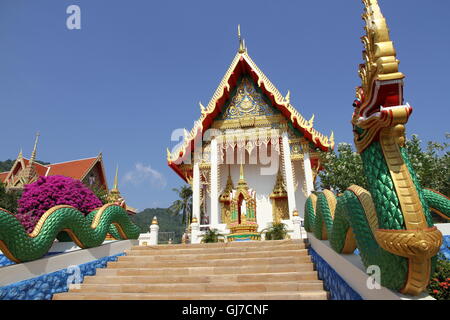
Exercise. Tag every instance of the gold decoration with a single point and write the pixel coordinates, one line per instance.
(379, 54)
(280, 208)
(295, 116)
(155, 220)
(416, 245)
(225, 199)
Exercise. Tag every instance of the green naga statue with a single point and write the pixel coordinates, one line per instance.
(87, 232)
(390, 224)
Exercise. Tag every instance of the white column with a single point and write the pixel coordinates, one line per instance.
(154, 229)
(288, 174)
(296, 222)
(308, 171)
(196, 192)
(214, 215)
(195, 225)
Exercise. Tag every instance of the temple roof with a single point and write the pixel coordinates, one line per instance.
(242, 64)
(76, 169)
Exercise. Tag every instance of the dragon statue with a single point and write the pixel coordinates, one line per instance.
(390, 224)
(86, 232)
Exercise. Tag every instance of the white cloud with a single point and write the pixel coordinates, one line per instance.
(142, 173)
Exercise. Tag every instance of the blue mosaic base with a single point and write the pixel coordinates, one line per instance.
(338, 288)
(44, 286)
(445, 248)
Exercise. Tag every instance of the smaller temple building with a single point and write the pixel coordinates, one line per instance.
(90, 171)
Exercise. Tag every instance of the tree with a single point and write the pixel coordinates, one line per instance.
(432, 165)
(8, 200)
(183, 206)
(342, 169)
(47, 192)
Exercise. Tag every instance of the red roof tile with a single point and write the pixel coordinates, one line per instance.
(3, 176)
(75, 169)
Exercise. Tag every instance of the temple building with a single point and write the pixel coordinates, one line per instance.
(90, 171)
(251, 158)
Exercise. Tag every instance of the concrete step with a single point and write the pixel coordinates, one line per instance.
(143, 263)
(239, 269)
(307, 276)
(280, 295)
(218, 287)
(272, 243)
(212, 256)
(155, 250)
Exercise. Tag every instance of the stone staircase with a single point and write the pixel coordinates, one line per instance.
(255, 270)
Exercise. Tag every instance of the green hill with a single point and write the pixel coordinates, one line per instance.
(166, 221)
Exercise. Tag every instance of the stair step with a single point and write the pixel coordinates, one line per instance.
(207, 263)
(239, 269)
(309, 277)
(155, 250)
(253, 270)
(280, 295)
(218, 287)
(272, 243)
(213, 256)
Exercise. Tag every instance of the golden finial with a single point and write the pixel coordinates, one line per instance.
(311, 121)
(242, 47)
(202, 107)
(155, 220)
(288, 97)
(33, 154)
(241, 172)
(169, 155)
(295, 213)
(116, 178)
(20, 156)
(194, 220)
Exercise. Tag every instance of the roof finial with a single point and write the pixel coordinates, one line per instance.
(20, 154)
(33, 154)
(116, 178)
(242, 47)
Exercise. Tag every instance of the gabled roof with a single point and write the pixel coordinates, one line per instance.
(3, 176)
(243, 64)
(76, 169)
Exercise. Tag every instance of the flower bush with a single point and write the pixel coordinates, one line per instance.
(51, 191)
(439, 286)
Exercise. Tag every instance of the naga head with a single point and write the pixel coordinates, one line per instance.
(379, 100)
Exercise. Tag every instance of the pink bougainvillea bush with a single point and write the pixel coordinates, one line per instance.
(51, 191)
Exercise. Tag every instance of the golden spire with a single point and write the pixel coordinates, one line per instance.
(242, 47)
(20, 156)
(225, 196)
(33, 154)
(116, 184)
(279, 190)
(114, 194)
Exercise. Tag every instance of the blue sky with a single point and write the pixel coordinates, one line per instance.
(137, 69)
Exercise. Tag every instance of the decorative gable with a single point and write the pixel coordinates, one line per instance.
(247, 100)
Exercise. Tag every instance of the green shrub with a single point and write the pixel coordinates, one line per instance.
(439, 286)
(278, 231)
